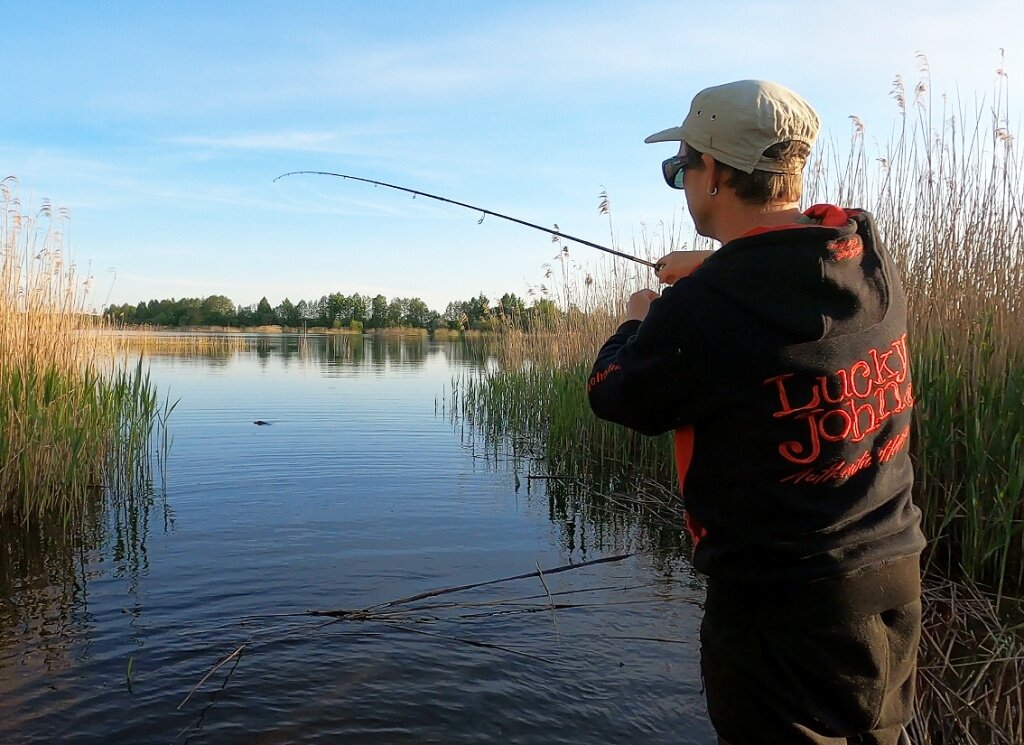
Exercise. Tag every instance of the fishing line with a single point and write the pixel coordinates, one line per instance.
(481, 210)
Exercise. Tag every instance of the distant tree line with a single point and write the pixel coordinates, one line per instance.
(335, 311)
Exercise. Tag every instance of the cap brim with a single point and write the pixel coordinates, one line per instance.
(672, 134)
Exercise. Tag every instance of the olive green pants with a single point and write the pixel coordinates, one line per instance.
(902, 738)
(807, 681)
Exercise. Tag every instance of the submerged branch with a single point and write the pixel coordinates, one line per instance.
(214, 669)
(368, 612)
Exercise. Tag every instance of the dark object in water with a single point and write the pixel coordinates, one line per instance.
(261, 422)
(415, 193)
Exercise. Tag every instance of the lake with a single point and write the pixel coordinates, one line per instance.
(362, 489)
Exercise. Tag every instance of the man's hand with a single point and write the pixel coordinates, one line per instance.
(679, 264)
(638, 304)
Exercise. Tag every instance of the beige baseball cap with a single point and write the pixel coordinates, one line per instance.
(736, 122)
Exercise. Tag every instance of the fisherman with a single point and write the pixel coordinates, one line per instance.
(780, 361)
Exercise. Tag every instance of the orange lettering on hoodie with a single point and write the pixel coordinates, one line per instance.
(862, 397)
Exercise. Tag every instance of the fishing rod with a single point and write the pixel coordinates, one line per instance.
(416, 193)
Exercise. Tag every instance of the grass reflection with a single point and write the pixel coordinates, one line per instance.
(45, 568)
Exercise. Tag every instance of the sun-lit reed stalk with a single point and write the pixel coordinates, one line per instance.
(536, 394)
(970, 669)
(948, 195)
(73, 421)
(154, 342)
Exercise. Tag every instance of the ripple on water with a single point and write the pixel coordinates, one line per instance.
(356, 494)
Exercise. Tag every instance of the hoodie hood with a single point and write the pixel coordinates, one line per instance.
(811, 280)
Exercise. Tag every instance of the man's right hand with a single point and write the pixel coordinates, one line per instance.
(679, 264)
(639, 303)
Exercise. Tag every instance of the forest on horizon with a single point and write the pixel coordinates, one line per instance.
(335, 311)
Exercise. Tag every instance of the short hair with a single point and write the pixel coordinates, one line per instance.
(764, 187)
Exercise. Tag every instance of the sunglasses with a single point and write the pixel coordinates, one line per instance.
(674, 169)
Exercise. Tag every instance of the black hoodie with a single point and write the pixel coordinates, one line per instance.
(782, 364)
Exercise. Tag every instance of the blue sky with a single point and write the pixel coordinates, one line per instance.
(161, 126)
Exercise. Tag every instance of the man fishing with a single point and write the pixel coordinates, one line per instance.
(780, 362)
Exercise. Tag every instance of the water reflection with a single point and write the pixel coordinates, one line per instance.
(597, 503)
(46, 570)
(42, 584)
(376, 351)
(357, 495)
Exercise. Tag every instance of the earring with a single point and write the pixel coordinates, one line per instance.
(712, 191)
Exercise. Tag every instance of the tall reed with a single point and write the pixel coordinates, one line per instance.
(74, 420)
(153, 341)
(948, 196)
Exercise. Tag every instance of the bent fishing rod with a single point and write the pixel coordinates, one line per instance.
(416, 193)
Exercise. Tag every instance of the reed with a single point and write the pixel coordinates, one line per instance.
(948, 197)
(152, 341)
(74, 421)
(970, 669)
(946, 193)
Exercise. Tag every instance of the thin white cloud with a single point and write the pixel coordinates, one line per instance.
(292, 141)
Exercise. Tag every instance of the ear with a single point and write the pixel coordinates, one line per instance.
(712, 169)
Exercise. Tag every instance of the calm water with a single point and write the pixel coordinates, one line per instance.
(361, 490)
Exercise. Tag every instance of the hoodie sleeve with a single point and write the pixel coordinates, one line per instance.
(648, 375)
